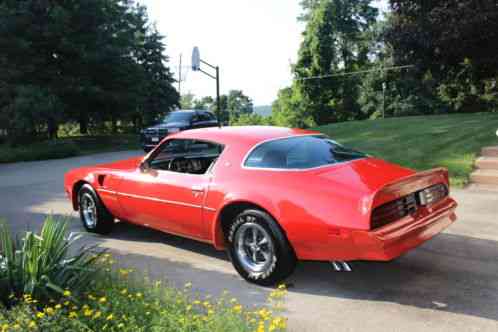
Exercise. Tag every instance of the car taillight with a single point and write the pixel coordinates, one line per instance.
(433, 194)
(395, 210)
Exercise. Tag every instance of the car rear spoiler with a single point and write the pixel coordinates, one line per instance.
(409, 184)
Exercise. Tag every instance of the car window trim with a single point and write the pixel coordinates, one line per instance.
(244, 160)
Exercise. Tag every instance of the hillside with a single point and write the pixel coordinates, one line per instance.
(262, 110)
(422, 142)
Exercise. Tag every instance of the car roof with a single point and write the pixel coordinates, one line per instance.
(191, 111)
(250, 135)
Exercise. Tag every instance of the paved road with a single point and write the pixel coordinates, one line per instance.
(448, 284)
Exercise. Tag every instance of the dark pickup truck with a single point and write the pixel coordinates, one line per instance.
(174, 122)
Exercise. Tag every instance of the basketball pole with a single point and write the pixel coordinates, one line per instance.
(196, 66)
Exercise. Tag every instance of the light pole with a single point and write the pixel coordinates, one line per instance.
(384, 100)
(196, 66)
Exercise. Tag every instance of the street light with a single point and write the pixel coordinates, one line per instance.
(196, 66)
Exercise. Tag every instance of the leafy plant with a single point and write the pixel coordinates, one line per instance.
(43, 266)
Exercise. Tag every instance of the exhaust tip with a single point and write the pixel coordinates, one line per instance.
(341, 266)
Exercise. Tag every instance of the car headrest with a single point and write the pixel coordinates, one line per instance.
(274, 159)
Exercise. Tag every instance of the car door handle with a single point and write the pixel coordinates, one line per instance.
(197, 189)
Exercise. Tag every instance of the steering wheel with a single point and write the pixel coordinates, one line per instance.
(178, 164)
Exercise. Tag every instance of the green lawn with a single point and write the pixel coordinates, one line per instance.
(423, 142)
(68, 147)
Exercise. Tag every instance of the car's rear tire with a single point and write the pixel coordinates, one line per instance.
(258, 249)
(93, 214)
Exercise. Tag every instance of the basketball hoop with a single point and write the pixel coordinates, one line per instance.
(196, 59)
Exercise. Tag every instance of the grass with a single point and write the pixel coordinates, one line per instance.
(423, 142)
(68, 147)
(46, 284)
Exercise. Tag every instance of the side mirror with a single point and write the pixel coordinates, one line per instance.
(145, 166)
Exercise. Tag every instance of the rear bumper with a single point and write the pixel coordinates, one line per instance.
(393, 240)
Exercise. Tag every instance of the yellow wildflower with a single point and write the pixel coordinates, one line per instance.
(73, 314)
(103, 300)
(237, 309)
(40, 315)
(110, 317)
(97, 315)
(50, 311)
(67, 293)
(58, 306)
(32, 325)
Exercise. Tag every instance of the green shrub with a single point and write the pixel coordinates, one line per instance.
(43, 266)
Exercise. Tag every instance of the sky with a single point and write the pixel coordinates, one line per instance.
(253, 42)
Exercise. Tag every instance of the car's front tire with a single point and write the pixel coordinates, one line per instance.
(93, 214)
(258, 249)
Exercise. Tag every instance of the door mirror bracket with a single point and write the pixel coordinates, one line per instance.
(145, 166)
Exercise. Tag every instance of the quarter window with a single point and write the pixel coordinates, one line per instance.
(300, 152)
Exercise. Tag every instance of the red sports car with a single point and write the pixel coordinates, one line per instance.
(269, 196)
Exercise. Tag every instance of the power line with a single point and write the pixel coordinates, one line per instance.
(352, 73)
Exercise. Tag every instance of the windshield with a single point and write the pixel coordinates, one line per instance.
(300, 153)
(178, 117)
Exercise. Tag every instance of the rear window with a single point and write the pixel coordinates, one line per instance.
(300, 152)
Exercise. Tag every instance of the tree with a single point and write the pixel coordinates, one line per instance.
(453, 42)
(187, 101)
(159, 94)
(95, 61)
(289, 110)
(334, 42)
(238, 104)
(205, 103)
(308, 7)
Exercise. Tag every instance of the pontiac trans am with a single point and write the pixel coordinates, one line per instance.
(268, 196)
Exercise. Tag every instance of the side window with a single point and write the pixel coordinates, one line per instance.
(204, 117)
(210, 117)
(301, 152)
(186, 156)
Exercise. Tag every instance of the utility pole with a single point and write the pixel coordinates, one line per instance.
(383, 100)
(180, 76)
(218, 100)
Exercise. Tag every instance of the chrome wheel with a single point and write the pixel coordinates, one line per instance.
(89, 209)
(254, 248)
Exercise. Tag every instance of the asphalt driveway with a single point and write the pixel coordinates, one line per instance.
(448, 284)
